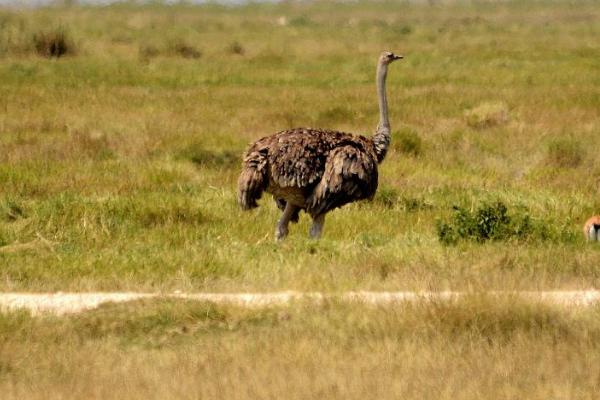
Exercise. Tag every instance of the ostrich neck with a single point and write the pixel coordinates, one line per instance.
(384, 122)
(381, 139)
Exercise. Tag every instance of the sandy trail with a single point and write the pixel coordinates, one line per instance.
(67, 303)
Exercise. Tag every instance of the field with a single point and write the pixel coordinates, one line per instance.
(118, 168)
(149, 350)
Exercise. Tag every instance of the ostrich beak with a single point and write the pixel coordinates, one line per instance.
(398, 57)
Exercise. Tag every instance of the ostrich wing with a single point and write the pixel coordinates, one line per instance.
(350, 174)
(297, 157)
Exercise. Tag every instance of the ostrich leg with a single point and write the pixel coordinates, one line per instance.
(317, 226)
(282, 226)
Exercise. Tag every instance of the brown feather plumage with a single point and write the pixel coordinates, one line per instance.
(314, 169)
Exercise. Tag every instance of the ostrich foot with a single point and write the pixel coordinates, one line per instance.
(317, 226)
(281, 233)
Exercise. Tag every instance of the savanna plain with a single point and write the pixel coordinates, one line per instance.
(121, 134)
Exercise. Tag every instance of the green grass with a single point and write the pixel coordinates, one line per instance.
(119, 160)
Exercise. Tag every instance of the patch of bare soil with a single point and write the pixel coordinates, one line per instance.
(66, 303)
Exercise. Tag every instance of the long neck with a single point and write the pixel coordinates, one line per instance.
(382, 137)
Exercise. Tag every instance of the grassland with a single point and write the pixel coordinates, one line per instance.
(171, 350)
(118, 161)
(118, 164)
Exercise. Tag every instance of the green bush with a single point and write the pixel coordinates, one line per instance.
(494, 222)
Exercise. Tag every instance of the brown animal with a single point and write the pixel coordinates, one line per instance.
(591, 229)
(316, 170)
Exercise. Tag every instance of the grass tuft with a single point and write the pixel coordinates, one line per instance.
(487, 115)
(408, 142)
(386, 196)
(92, 145)
(236, 48)
(334, 115)
(11, 210)
(148, 51)
(185, 50)
(52, 44)
(565, 152)
(146, 321)
(301, 21)
(200, 156)
(494, 320)
(414, 204)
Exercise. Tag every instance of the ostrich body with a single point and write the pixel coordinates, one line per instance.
(316, 170)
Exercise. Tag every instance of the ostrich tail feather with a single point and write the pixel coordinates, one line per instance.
(252, 181)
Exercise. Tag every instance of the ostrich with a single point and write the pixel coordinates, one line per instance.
(316, 170)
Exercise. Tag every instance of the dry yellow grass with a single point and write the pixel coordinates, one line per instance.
(476, 348)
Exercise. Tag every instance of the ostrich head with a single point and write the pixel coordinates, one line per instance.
(388, 57)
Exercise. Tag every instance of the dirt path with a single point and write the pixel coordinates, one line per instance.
(66, 303)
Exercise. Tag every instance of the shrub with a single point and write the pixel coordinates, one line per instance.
(185, 50)
(565, 153)
(493, 222)
(487, 115)
(236, 48)
(52, 44)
